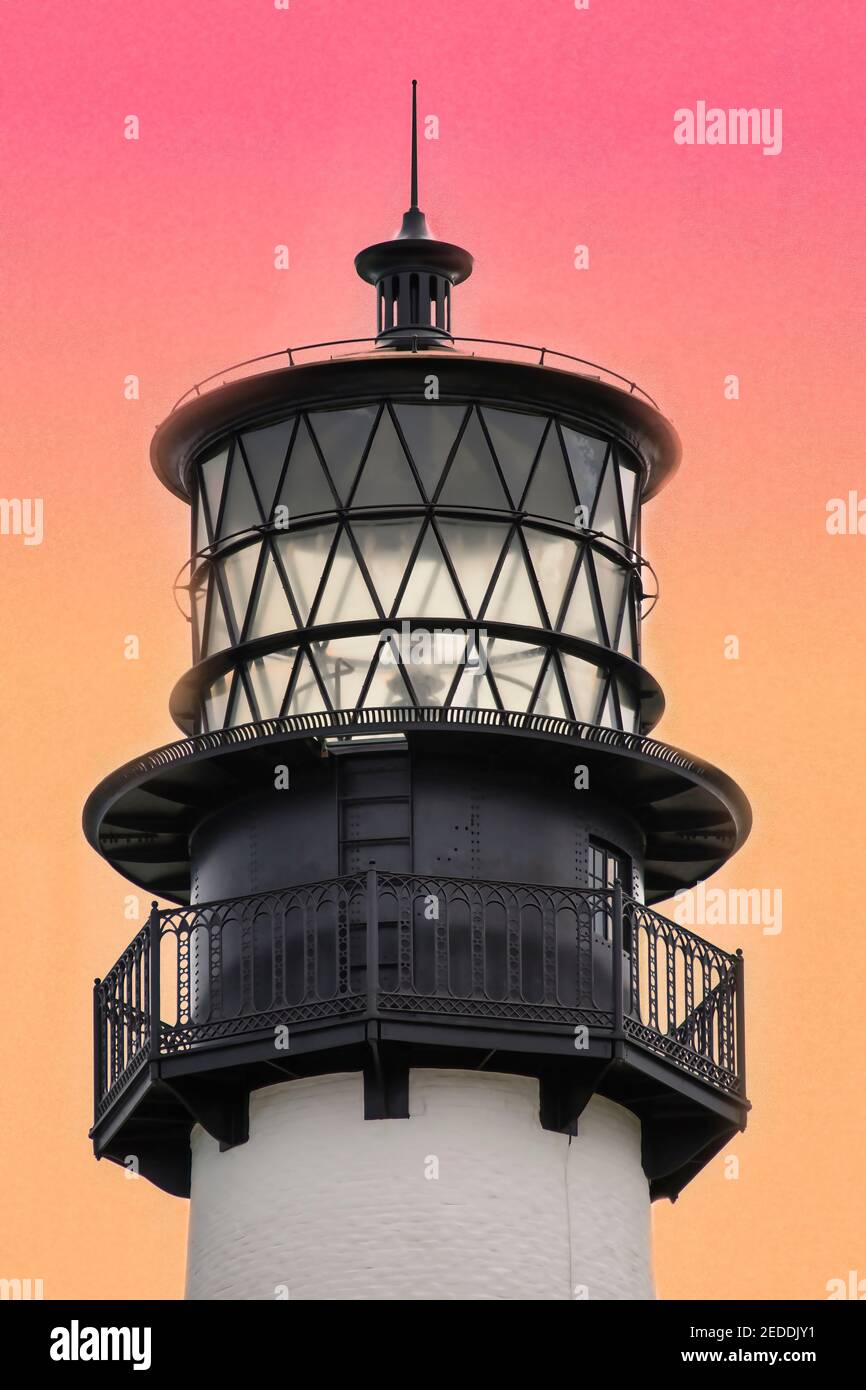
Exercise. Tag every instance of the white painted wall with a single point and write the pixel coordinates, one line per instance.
(323, 1204)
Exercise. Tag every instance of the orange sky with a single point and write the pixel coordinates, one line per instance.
(155, 257)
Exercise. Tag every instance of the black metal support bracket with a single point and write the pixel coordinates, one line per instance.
(386, 1079)
(220, 1107)
(668, 1145)
(565, 1091)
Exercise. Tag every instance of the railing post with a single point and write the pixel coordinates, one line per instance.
(372, 941)
(153, 982)
(618, 1011)
(739, 985)
(97, 1049)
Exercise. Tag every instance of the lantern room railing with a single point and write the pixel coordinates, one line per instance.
(377, 944)
(317, 352)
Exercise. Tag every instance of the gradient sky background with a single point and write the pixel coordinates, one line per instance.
(155, 257)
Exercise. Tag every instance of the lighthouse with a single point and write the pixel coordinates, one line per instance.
(403, 1020)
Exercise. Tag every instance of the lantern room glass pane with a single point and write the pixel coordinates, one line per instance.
(586, 456)
(273, 612)
(430, 432)
(216, 702)
(269, 677)
(342, 665)
(386, 477)
(585, 683)
(515, 438)
(431, 659)
(198, 599)
(345, 595)
(609, 716)
(200, 538)
(303, 554)
(474, 548)
(516, 668)
(549, 699)
(627, 642)
(513, 600)
(387, 686)
(630, 707)
(581, 616)
(612, 580)
(306, 698)
(241, 710)
(553, 558)
(474, 691)
(266, 452)
(238, 575)
(628, 483)
(607, 516)
(305, 488)
(385, 547)
(472, 479)
(217, 637)
(430, 589)
(240, 509)
(212, 473)
(342, 436)
(550, 492)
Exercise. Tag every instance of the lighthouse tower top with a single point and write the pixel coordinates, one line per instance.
(418, 814)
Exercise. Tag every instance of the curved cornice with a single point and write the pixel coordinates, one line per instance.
(693, 816)
(400, 376)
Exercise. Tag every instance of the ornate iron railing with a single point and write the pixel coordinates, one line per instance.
(378, 944)
(269, 360)
(686, 997)
(122, 1011)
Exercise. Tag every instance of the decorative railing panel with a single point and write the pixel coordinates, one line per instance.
(685, 999)
(121, 1021)
(494, 950)
(377, 944)
(246, 964)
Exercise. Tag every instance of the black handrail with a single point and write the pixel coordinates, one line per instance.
(542, 352)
